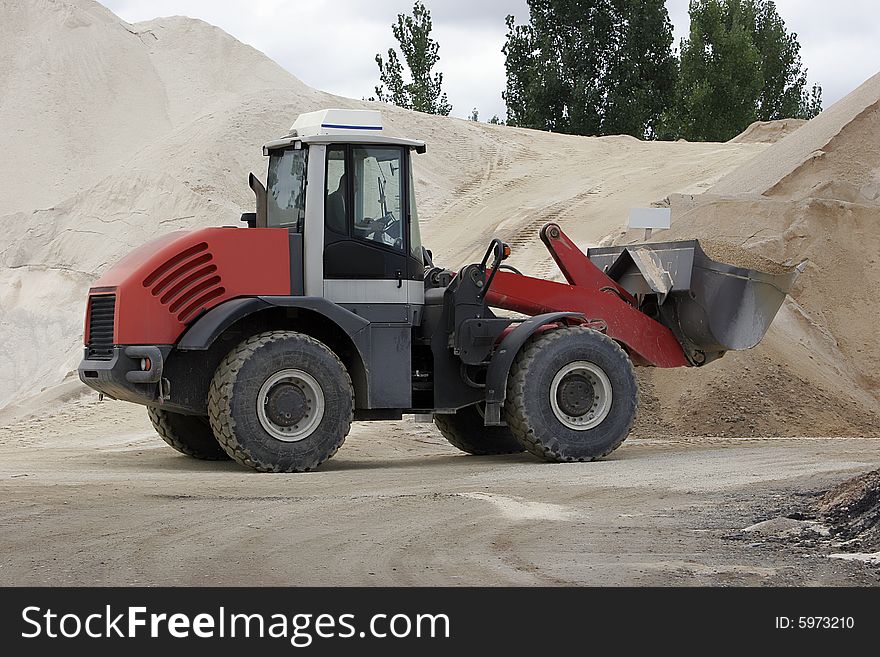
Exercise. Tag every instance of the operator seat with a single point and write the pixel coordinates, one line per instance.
(336, 208)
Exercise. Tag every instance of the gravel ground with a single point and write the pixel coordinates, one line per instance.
(91, 496)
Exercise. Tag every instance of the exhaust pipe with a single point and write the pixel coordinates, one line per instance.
(260, 192)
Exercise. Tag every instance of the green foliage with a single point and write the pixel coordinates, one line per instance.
(596, 67)
(590, 66)
(739, 64)
(784, 93)
(420, 52)
(720, 80)
(495, 120)
(811, 103)
(643, 69)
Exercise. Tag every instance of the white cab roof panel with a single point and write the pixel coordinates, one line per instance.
(340, 125)
(337, 122)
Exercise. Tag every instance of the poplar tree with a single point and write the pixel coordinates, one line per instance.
(423, 92)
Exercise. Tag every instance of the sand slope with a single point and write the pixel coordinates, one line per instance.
(832, 149)
(814, 197)
(768, 132)
(60, 63)
(169, 143)
(182, 159)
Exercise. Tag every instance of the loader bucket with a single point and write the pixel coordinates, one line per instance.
(711, 306)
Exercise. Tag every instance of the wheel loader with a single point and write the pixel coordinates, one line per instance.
(263, 343)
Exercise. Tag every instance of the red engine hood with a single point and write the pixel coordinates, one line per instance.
(162, 286)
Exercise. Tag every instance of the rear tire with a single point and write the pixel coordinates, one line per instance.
(466, 431)
(571, 395)
(281, 402)
(188, 434)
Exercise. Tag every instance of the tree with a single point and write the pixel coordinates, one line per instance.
(784, 93)
(495, 120)
(643, 70)
(720, 75)
(811, 103)
(420, 52)
(590, 66)
(475, 115)
(739, 64)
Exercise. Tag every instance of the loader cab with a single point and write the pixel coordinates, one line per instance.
(345, 193)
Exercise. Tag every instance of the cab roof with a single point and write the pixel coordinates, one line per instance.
(333, 126)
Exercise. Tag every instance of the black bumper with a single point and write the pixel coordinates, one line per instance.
(121, 377)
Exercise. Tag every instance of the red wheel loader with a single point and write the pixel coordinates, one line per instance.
(263, 343)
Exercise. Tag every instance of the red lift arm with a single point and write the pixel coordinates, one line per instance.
(591, 292)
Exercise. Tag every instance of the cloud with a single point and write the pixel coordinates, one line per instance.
(330, 44)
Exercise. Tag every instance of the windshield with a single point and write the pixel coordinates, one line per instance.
(286, 189)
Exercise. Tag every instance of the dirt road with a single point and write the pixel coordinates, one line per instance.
(91, 496)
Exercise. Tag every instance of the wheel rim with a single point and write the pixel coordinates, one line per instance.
(580, 395)
(290, 405)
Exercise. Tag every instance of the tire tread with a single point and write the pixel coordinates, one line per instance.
(492, 441)
(161, 420)
(220, 396)
(516, 411)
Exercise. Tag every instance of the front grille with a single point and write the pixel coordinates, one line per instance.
(102, 309)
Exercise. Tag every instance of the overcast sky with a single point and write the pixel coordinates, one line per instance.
(330, 44)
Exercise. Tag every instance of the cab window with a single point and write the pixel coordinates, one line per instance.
(336, 201)
(378, 195)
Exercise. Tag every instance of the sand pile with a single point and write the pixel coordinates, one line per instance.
(162, 121)
(767, 132)
(740, 257)
(59, 63)
(811, 197)
(109, 146)
(833, 156)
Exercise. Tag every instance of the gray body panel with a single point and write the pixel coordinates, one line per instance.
(385, 313)
(313, 240)
(390, 366)
(297, 280)
(346, 291)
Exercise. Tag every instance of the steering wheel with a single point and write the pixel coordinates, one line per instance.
(379, 226)
(388, 221)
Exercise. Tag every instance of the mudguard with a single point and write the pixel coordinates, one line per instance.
(201, 335)
(502, 360)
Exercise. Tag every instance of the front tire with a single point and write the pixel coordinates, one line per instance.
(281, 402)
(571, 395)
(188, 434)
(466, 430)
